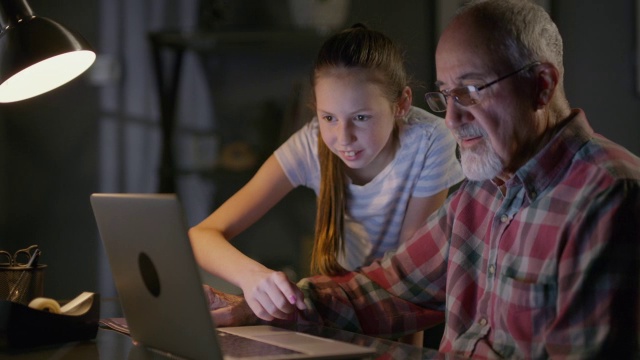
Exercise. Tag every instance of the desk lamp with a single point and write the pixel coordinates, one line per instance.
(37, 54)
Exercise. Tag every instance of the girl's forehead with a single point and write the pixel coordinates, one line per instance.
(343, 71)
(353, 75)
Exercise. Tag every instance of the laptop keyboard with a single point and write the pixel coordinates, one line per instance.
(239, 346)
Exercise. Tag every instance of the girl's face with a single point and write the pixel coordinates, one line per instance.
(356, 122)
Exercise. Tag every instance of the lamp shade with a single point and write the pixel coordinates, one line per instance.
(37, 54)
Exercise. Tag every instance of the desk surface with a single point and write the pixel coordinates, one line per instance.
(111, 345)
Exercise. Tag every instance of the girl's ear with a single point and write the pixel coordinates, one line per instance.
(404, 103)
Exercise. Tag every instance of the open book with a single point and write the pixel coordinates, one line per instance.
(45, 321)
(78, 306)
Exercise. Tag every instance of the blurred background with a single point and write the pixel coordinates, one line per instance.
(190, 96)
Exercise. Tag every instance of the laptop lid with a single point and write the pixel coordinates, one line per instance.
(155, 274)
(159, 285)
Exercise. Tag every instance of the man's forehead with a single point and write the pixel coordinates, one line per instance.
(461, 40)
(461, 62)
(463, 51)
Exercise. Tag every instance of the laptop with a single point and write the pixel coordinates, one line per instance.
(161, 294)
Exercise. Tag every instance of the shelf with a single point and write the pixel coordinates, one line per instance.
(168, 49)
(236, 40)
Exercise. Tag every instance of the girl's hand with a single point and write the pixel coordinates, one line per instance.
(271, 295)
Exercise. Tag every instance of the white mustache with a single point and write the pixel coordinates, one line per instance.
(469, 131)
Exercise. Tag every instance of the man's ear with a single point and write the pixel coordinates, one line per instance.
(547, 77)
(404, 103)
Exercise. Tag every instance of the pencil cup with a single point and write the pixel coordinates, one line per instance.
(21, 284)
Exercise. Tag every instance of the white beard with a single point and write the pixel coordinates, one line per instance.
(481, 163)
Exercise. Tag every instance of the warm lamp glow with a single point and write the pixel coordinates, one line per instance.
(45, 75)
(37, 54)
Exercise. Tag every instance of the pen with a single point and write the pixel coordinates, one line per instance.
(33, 261)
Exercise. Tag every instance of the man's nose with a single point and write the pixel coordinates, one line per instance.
(455, 115)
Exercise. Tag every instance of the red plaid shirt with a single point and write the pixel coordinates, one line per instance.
(550, 269)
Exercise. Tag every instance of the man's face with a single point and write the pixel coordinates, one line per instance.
(492, 133)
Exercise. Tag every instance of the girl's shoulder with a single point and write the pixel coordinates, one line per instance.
(308, 133)
(417, 116)
(420, 121)
(312, 127)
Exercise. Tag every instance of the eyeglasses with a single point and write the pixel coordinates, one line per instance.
(21, 258)
(465, 95)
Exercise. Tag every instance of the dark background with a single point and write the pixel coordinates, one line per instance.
(100, 133)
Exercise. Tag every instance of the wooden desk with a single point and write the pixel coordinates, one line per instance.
(110, 345)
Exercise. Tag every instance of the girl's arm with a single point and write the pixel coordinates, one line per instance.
(418, 211)
(269, 293)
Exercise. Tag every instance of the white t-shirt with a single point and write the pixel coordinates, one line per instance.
(424, 165)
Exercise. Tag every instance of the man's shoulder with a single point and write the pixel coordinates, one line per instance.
(613, 159)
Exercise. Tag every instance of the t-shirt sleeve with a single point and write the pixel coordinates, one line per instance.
(441, 169)
(298, 156)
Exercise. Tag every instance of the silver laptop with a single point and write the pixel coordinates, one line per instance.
(160, 289)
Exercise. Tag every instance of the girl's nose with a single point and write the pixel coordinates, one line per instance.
(345, 133)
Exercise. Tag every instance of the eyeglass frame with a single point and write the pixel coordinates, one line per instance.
(14, 259)
(444, 94)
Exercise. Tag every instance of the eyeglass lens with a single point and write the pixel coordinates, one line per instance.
(465, 96)
(436, 101)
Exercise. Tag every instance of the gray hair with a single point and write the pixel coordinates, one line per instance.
(521, 32)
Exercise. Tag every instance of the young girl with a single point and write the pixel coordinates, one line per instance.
(378, 165)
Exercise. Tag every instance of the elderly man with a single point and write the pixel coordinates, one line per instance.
(536, 254)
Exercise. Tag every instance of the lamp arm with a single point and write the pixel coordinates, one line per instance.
(13, 11)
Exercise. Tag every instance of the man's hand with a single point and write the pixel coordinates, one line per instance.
(228, 309)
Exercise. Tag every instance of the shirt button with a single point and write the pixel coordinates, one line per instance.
(483, 321)
(492, 269)
(504, 218)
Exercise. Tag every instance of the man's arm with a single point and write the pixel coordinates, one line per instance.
(598, 282)
(400, 294)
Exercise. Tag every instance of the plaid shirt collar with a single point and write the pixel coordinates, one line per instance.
(550, 163)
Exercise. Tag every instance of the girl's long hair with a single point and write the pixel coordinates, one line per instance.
(357, 47)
